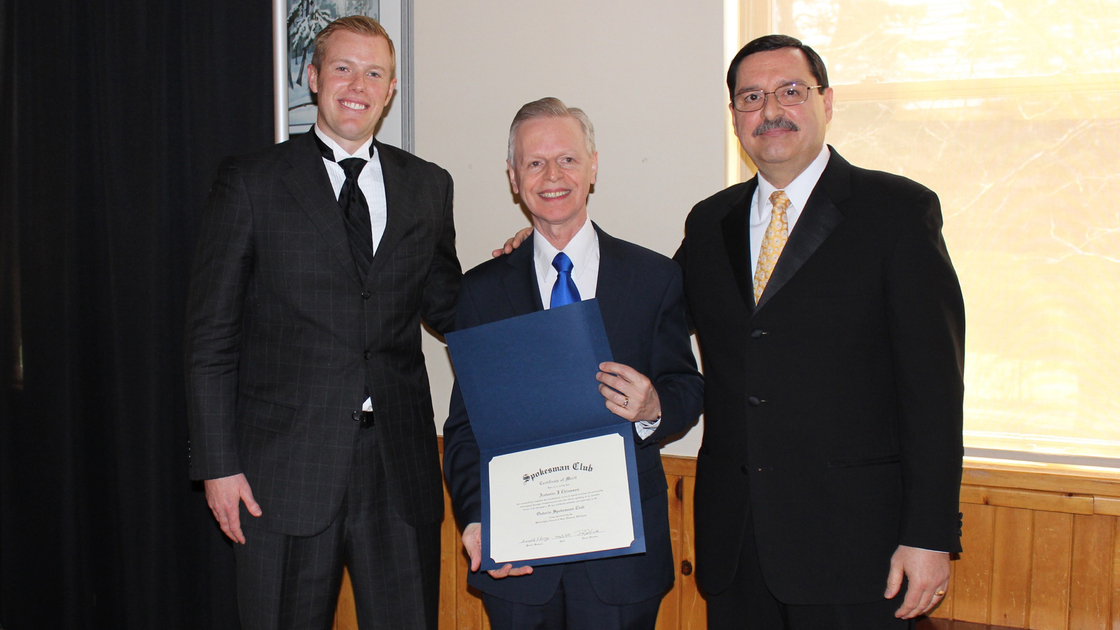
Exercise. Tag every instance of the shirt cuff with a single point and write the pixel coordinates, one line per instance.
(646, 428)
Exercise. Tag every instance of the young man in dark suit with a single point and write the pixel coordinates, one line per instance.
(310, 413)
(831, 328)
(652, 383)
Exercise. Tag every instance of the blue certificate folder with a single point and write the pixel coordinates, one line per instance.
(529, 382)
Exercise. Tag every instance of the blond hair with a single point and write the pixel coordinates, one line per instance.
(359, 24)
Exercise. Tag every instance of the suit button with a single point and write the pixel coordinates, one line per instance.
(754, 401)
(756, 333)
(356, 416)
(744, 469)
(366, 295)
(367, 354)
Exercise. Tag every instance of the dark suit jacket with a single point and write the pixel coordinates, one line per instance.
(832, 413)
(642, 304)
(284, 341)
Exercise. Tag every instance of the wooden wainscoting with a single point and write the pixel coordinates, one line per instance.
(1041, 548)
(1042, 551)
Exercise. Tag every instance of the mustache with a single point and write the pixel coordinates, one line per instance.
(777, 123)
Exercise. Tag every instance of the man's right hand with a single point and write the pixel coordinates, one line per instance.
(472, 540)
(224, 496)
(513, 243)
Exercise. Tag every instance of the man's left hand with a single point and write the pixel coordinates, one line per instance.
(629, 394)
(927, 577)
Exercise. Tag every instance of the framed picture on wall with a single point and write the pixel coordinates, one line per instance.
(294, 26)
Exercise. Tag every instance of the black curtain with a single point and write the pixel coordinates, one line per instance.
(115, 116)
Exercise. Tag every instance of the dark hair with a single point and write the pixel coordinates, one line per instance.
(777, 42)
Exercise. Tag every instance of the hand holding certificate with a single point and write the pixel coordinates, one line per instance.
(559, 480)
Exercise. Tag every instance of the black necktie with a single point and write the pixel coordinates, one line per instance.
(355, 210)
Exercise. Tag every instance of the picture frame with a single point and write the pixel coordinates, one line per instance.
(294, 25)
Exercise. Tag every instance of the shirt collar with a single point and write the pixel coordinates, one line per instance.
(366, 149)
(798, 190)
(581, 249)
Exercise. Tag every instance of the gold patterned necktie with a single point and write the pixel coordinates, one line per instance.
(776, 234)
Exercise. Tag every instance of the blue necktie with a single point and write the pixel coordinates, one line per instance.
(564, 291)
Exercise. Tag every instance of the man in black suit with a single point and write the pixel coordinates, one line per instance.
(652, 383)
(828, 479)
(310, 413)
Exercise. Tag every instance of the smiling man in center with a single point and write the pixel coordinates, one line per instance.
(653, 382)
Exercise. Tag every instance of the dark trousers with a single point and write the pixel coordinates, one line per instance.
(574, 606)
(748, 604)
(292, 582)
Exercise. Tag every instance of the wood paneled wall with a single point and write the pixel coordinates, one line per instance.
(1041, 548)
(1041, 551)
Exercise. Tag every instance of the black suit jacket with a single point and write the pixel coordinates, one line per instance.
(284, 341)
(832, 413)
(642, 304)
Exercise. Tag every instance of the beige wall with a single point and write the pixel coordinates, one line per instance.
(648, 73)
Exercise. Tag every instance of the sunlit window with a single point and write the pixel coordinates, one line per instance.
(1010, 111)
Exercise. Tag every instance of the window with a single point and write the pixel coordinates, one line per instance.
(1010, 111)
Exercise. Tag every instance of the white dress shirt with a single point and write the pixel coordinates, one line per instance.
(797, 192)
(583, 250)
(371, 181)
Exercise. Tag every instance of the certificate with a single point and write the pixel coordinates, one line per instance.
(560, 502)
(559, 476)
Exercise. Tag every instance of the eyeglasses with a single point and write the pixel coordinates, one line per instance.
(788, 95)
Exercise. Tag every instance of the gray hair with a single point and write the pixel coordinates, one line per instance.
(550, 107)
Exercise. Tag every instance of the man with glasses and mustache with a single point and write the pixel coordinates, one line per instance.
(831, 328)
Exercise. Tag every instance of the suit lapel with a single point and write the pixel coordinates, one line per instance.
(736, 239)
(400, 194)
(819, 218)
(615, 281)
(309, 184)
(615, 278)
(520, 281)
